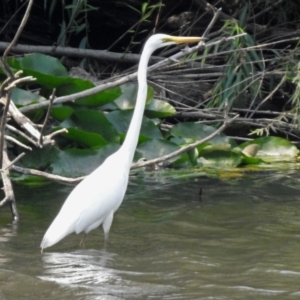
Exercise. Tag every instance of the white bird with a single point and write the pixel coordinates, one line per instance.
(95, 200)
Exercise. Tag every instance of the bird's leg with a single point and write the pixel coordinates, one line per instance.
(106, 226)
(81, 244)
(105, 239)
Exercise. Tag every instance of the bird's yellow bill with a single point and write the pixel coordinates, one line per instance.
(184, 39)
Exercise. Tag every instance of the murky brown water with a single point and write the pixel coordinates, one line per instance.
(241, 240)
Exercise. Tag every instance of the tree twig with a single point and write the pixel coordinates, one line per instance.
(53, 134)
(12, 139)
(212, 22)
(13, 162)
(80, 53)
(71, 98)
(28, 126)
(186, 148)
(21, 133)
(19, 80)
(51, 99)
(57, 178)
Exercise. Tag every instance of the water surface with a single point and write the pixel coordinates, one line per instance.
(239, 240)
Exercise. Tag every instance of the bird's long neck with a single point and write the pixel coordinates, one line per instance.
(132, 136)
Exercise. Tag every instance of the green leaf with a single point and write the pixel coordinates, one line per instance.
(88, 139)
(14, 62)
(159, 109)
(221, 159)
(76, 85)
(248, 160)
(22, 97)
(144, 7)
(40, 158)
(207, 147)
(121, 120)
(192, 132)
(273, 148)
(95, 121)
(193, 155)
(62, 112)
(156, 148)
(183, 161)
(128, 97)
(80, 162)
(31, 180)
(47, 70)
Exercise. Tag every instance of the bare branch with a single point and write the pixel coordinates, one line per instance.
(57, 132)
(28, 126)
(18, 81)
(58, 178)
(21, 133)
(6, 68)
(186, 51)
(47, 117)
(19, 31)
(212, 22)
(80, 53)
(186, 148)
(270, 95)
(11, 77)
(11, 139)
(14, 161)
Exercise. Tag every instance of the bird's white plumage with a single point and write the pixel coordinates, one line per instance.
(85, 209)
(94, 201)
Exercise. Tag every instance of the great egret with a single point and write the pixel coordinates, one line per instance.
(94, 200)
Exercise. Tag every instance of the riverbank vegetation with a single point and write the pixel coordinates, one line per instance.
(65, 106)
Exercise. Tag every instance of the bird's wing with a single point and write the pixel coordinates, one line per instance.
(99, 202)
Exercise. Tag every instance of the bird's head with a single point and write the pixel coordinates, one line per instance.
(162, 40)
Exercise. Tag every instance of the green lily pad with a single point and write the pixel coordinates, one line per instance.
(273, 148)
(48, 71)
(122, 118)
(80, 162)
(192, 132)
(22, 97)
(128, 97)
(84, 138)
(43, 64)
(207, 147)
(159, 109)
(221, 159)
(40, 158)
(156, 148)
(183, 161)
(248, 160)
(95, 121)
(76, 85)
(61, 112)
